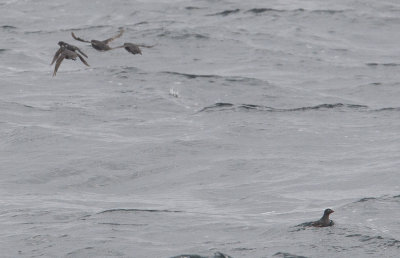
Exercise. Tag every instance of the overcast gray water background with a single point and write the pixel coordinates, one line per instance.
(244, 120)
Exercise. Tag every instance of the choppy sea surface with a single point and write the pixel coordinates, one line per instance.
(244, 120)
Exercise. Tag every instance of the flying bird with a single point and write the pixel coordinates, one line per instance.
(133, 48)
(65, 53)
(100, 45)
(64, 45)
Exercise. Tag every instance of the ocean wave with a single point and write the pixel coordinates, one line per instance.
(193, 8)
(216, 255)
(240, 79)
(138, 210)
(379, 199)
(373, 233)
(8, 27)
(225, 13)
(327, 11)
(366, 199)
(123, 224)
(91, 251)
(383, 64)
(269, 10)
(377, 241)
(12, 107)
(230, 106)
(68, 29)
(387, 109)
(288, 255)
(263, 10)
(182, 35)
(218, 107)
(193, 76)
(273, 10)
(124, 71)
(90, 27)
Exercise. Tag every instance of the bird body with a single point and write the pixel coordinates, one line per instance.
(324, 221)
(131, 48)
(64, 53)
(100, 45)
(71, 47)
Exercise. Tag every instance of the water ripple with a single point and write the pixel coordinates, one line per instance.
(137, 210)
(225, 13)
(230, 106)
(288, 255)
(216, 255)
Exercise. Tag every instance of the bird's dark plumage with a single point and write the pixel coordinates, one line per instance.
(71, 47)
(322, 222)
(64, 53)
(131, 48)
(63, 45)
(100, 45)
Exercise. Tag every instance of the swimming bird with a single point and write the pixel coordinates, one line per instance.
(64, 53)
(100, 45)
(64, 45)
(322, 222)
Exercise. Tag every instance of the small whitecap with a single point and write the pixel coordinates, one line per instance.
(173, 93)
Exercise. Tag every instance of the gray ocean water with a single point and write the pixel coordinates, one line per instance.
(244, 120)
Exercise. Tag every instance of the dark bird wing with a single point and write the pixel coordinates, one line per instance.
(115, 37)
(79, 39)
(74, 48)
(100, 45)
(57, 54)
(83, 60)
(59, 60)
(80, 51)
